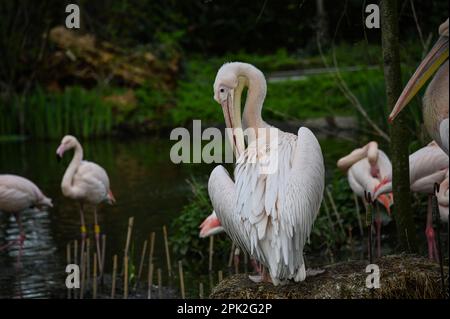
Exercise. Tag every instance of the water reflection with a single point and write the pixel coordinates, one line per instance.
(146, 185)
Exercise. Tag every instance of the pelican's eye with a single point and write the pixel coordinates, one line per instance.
(223, 93)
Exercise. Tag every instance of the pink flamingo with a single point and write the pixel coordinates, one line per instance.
(366, 168)
(427, 166)
(87, 183)
(17, 194)
(211, 226)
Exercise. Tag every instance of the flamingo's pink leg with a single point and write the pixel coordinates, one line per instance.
(83, 234)
(97, 241)
(429, 232)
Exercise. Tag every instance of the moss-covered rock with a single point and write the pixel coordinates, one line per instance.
(401, 276)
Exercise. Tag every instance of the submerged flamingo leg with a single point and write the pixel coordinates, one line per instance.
(97, 241)
(378, 231)
(429, 233)
(21, 236)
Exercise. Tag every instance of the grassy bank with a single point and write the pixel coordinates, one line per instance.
(107, 110)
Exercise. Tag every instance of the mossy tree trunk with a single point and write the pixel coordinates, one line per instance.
(400, 137)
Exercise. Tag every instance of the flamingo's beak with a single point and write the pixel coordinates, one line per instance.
(210, 226)
(233, 123)
(437, 55)
(60, 152)
(386, 200)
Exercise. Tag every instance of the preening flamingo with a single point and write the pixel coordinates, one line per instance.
(211, 226)
(268, 214)
(427, 166)
(435, 100)
(85, 182)
(366, 168)
(17, 194)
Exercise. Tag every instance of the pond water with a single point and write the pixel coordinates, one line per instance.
(146, 185)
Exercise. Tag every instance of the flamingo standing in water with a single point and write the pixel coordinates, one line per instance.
(87, 183)
(427, 166)
(366, 168)
(268, 213)
(17, 194)
(435, 100)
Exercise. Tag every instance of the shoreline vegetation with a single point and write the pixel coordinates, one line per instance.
(103, 90)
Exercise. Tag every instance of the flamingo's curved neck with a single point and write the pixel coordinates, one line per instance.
(66, 183)
(370, 151)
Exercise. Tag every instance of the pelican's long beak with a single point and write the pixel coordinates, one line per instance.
(429, 65)
(233, 123)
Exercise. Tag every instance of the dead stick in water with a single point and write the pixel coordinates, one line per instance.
(180, 270)
(94, 277)
(129, 231)
(220, 275)
(88, 260)
(200, 291)
(159, 284)
(141, 264)
(211, 253)
(125, 278)
(83, 275)
(152, 248)
(166, 244)
(103, 257)
(69, 261)
(230, 258)
(150, 281)
(75, 260)
(127, 244)
(114, 275)
(75, 252)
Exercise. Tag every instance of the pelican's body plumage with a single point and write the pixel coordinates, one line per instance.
(268, 214)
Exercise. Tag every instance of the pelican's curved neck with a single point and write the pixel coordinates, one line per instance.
(256, 94)
(66, 183)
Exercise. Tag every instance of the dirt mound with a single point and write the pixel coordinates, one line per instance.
(401, 277)
(84, 60)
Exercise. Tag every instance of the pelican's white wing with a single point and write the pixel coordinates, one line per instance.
(276, 208)
(221, 190)
(301, 204)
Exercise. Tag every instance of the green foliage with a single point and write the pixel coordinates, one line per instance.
(185, 239)
(52, 115)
